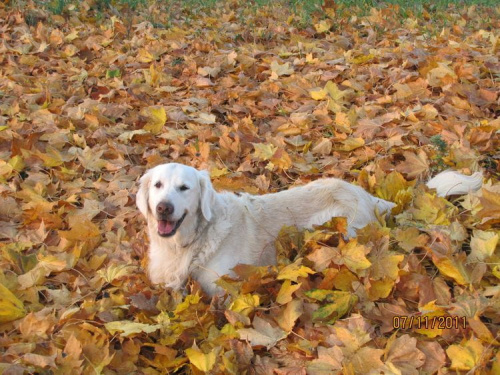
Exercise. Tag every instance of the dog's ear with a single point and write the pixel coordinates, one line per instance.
(207, 197)
(142, 196)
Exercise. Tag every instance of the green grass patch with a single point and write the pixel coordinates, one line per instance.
(307, 12)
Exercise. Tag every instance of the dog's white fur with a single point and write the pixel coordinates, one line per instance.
(220, 230)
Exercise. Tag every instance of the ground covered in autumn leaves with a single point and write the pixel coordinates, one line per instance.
(88, 103)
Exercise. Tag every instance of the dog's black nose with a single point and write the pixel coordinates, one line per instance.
(165, 208)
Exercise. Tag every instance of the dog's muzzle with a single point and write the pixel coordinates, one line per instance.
(167, 228)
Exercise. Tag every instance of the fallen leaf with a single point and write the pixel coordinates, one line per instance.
(263, 333)
(127, 328)
(202, 361)
(465, 356)
(294, 271)
(287, 318)
(11, 308)
(156, 118)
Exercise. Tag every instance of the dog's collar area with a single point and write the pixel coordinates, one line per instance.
(168, 228)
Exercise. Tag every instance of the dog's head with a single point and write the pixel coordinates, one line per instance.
(172, 194)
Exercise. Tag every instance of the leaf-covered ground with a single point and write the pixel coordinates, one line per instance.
(88, 103)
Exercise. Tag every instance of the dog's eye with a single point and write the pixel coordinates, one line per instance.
(183, 188)
(158, 185)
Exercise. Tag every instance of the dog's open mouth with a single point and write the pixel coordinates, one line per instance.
(167, 228)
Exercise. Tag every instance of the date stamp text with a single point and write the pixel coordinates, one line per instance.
(429, 322)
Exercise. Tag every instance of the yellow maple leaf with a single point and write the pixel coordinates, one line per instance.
(245, 304)
(17, 163)
(385, 264)
(362, 59)
(294, 271)
(85, 230)
(380, 288)
(115, 271)
(483, 245)
(144, 56)
(352, 143)
(286, 291)
(287, 318)
(432, 209)
(338, 304)
(451, 266)
(157, 118)
(45, 266)
(264, 151)
(203, 362)
(281, 159)
(354, 256)
(323, 26)
(128, 328)
(410, 238)
(318, 94)
(465, 356)
(334, 92)
(51, 157)
(10, 307)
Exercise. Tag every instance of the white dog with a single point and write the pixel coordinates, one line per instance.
(194, 230)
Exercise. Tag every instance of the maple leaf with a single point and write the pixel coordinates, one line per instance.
(467, 355)
(403, 353)
(41, 361)
(366, 360)
(156, 118)
(287, 318)
(410, 238)
(429, 311)
(278, 70)
(263, 333)
(323, 256)
(202, 361)
(414, 164)
(322, 26)
(352, 143)
(452, 266)
(285, 293)
(11, 308)
(432, 209)
(483, 245)
(338, 304)
(354, 256)
(323, 147)
(45, 266)
(245, 304)
(91, 159)
(264, 151)
(329, 361)
(490, 200)
(435, 356)
(294, 271)
(128, 328)
(115, 271)
(318, 94)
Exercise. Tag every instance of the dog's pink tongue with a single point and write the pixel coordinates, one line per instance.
(166, 227)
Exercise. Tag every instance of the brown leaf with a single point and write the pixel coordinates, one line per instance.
(435, 357)
(414, 165)
(403, 353)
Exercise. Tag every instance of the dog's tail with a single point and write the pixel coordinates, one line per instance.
(453, 183)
